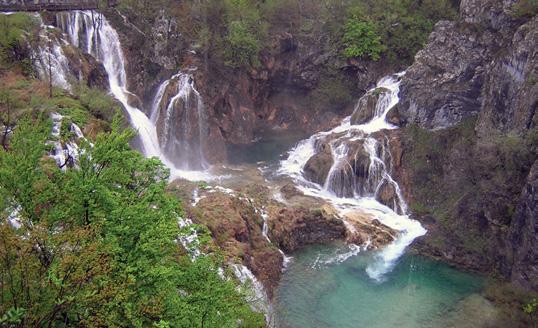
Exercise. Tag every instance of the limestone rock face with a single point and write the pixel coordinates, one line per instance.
(293, 228)
(443, 86)
(467, 147)
(510, 93)
(366, 106)
(318, 166)
(236, 228)
(523, 237)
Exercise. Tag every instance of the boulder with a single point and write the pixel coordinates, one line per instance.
(318, 166)
(365, 110)
(386, 195)
(294, 228)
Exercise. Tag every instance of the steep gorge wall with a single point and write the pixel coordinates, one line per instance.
(468, 152)
(282, 93)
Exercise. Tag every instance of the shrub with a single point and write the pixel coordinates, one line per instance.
(361, 39)
(242, 46)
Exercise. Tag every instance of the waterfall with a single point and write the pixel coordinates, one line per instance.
(50, 61)
(92, 33)
(65, 152)
(178, 112)
(258, 300)
(360, 174)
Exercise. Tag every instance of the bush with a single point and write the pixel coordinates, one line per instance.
(242, 46)
(99, 103)
(361, 39)
(12, 36)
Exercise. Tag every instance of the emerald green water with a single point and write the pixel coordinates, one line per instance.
(417, 293)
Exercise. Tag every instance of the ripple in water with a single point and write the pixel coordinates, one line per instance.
(418, 293)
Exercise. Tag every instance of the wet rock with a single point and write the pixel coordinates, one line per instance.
(86, 68)
(386, 195)
(393, 116)
(365, 229)
(293, 228)
(366, 106)
(318, 166)
(236, 228)
(289, 190)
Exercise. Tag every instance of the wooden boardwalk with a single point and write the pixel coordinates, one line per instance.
(54, 5)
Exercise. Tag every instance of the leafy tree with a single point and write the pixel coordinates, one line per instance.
(361, 39)
(97, 245)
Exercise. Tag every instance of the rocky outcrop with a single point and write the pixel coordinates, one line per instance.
(86, 68)
(443, 86)
(468, 107)
(523, 236)
(510, 93)
(294, 228)
(365, 109)
(236, 228)
(465, 63)
(302, 83)
(318, 166)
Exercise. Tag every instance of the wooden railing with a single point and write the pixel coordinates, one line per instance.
(54, 5)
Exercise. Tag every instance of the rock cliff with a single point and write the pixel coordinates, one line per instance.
(468, 108)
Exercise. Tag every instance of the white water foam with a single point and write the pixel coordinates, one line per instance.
(298, 157)
(92, 33)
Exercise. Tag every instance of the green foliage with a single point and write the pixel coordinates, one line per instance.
(13, 30)
(97, 245)
(244, 33)
(13, 316)
(242, 46)
(97, 102)
(402, 25)
(361, 39)
(531, 307)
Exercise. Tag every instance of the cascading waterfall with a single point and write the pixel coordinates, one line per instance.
(172, 106)
(359, 173)
(92, 33)
(50, 61)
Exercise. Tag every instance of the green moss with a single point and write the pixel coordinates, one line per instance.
(419, 208)
(97, 102)
(14, 29)
(332, 93)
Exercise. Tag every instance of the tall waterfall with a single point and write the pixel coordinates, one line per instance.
(92, 33)
(360, 174)
(50, 61)
(178, 112)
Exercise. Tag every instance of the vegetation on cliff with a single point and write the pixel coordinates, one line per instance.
(236, 32)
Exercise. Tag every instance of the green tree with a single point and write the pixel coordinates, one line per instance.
(361, 39)
(97, 245)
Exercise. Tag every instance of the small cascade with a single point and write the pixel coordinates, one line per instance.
(92, 33)
(179, 114)
(65, 153)
(50, 61)
(258, 300)
(359, 177)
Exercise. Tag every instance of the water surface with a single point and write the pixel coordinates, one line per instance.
(317, 292)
